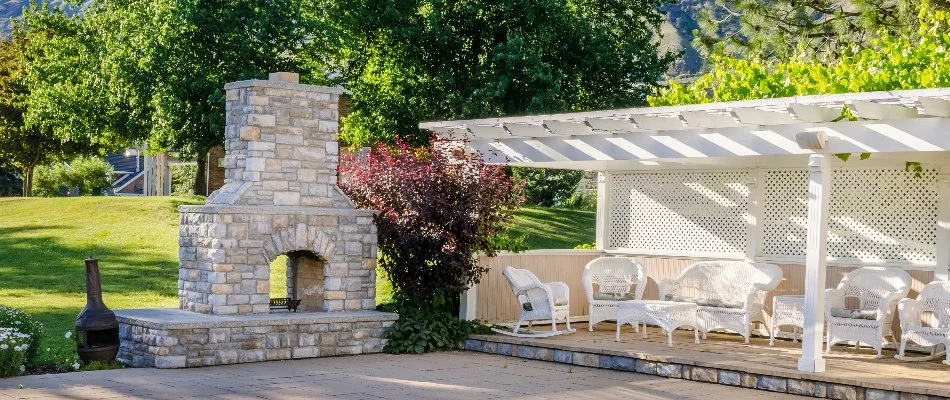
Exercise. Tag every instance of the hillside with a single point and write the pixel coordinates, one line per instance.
(14, 8)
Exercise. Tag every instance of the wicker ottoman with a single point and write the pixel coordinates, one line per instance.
(668, 315)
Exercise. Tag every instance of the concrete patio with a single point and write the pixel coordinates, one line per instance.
(722, 358)
(453, 375)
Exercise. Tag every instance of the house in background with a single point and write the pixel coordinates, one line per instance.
(129, 172)
(140, 174)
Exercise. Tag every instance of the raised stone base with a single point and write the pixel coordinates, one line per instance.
(170, 338)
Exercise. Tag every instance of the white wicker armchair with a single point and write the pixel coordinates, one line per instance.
(877, 291)
(926, 321)
(729, 294)
(615, 278)
(538, 302)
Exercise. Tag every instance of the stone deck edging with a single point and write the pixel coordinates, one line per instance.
(750, 376)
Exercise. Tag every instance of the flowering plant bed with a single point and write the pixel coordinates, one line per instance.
(22, 322)
(13, 349)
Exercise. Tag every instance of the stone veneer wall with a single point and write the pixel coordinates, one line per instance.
(225, 254)
(167, 339)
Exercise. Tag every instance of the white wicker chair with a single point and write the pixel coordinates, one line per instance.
(932, 306)
(538, 302)
(614, 277)
(729, 294)
(877, 291)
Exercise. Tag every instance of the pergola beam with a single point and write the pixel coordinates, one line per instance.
(821, 108)
(906, 135)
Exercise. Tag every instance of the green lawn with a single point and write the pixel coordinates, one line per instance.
(554, 228)
(43, 243)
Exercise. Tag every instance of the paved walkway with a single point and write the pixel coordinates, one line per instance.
(457, 375)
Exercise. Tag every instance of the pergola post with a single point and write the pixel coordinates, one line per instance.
(468, 303)
(819, 189)
(943, 227)
(601, 227)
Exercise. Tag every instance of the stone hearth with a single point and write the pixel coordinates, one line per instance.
(280, 198)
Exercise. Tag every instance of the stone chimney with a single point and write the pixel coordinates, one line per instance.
(281, 144)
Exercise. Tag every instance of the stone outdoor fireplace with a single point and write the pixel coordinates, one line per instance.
(279, 198)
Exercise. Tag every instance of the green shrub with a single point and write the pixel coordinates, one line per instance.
(13, 348)
(586, 246)
(580, 201)
(546, 187)
(24, 323)
(47, 180)
(91, 175)
(183, 179)
(427, 328)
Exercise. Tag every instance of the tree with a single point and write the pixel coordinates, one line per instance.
(410, 61)
(890, 61)
(547, 187)
(438, 207)
(143, 71)
(22, 146)
(781, 29)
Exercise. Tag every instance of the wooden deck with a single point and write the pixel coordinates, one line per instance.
(851, 373)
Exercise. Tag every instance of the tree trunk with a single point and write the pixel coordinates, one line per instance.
(201, 181)
(28, 180)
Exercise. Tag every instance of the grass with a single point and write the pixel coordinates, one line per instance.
(43, 243)
(554, 228)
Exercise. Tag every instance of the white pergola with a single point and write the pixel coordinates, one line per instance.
(797, 132)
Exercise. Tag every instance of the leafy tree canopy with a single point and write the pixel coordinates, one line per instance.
(410, 61)
(153, 71)
(891, 61)
(25, 147)
(780, 29)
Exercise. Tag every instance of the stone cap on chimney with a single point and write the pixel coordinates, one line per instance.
(284, 80)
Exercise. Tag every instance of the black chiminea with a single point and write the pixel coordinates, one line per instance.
(97, 330)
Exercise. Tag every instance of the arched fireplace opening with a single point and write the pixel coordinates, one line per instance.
(303, 280)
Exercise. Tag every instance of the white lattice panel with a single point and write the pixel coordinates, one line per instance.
(785, 212)
(875, 214)
(694, 212)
